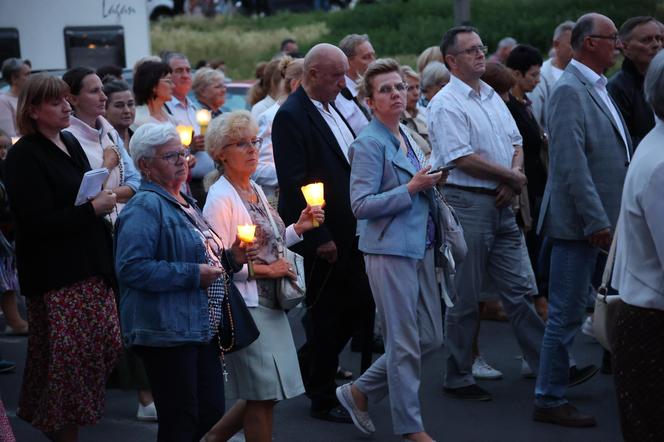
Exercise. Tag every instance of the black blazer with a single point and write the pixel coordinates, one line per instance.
(306, 151)
(57, 243)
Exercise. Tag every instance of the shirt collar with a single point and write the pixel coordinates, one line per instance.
(351, 85)
(175, 102)
(460, 86)
(319, 105)
(589, 74)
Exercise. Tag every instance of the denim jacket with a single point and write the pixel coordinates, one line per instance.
(157, 253)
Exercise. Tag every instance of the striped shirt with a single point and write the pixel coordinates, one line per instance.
(462, 122)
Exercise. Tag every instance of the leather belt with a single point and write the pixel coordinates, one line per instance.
(480, 190)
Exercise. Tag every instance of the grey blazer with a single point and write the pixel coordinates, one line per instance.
(587, 161)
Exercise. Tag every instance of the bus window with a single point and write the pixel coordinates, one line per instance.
(9, 44)
(94, 46)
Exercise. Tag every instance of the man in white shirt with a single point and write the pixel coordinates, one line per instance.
(360, 55)
(184, 112)
(589, 151)
(470, 126)
(551, 70)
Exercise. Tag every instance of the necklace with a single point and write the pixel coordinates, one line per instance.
(247, 195)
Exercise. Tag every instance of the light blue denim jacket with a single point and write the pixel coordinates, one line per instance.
(157, 253)
(391, 221)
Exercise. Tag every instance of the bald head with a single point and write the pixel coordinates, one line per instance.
(595, 40)
(325, 66)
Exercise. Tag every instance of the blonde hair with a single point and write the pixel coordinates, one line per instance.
(378, 67)
(37, 89)
(428, 55)
(222, 130)
(203, 78)
(291, 69)
(408, 72)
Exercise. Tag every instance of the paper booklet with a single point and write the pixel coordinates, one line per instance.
(91, 185)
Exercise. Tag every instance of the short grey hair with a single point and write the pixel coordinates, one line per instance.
(507, 42)
(563, 27)
(349, 43)
(653, 85)
(173, 55)
(148, 138)
(227, 127)
(205, 77)
(583, 28)
(10, 67)
(433, 74)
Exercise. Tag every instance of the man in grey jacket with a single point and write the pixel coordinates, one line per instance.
(590, 149)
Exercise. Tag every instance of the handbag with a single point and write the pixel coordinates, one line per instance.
(453, 242)
(290, 292)
(606, 306)
(237, 328)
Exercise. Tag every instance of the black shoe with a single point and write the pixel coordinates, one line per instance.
(580, 375)
(336, 414)
(7, 366)
(471, 392)
(565, 415)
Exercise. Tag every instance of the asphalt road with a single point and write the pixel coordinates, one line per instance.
(507, 418)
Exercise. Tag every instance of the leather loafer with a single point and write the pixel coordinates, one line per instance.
(471, 392)
(336, 414)
(580, 375)
(565, 415)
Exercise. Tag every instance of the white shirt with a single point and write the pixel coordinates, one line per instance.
(337, 125)
(462, 122)
(184, 113)
(266, 172)
(260, 107)
(556, 73)
(599, 82)
(351, 111)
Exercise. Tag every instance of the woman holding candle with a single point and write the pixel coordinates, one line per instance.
(391, 193)
(100, 141)
(167, 255)
(65, 267)
(266, 371)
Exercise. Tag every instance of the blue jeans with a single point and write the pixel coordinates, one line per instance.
(571, 271)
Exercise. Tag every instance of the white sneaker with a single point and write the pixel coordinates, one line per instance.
(526, 371)
(147, 413)
(587, 327)
(482, 370)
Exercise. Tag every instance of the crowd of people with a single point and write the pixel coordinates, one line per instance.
(540, 164)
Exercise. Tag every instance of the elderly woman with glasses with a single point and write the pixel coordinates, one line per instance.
(393, 200)
(266, 371)
(167, 256)
(15, 72)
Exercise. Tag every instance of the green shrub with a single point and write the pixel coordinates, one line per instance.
(404, 27)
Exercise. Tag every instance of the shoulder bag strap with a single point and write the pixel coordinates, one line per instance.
(608, 268)
(266, 206)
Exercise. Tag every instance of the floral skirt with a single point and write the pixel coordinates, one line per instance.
(6, 433)
(73, 343)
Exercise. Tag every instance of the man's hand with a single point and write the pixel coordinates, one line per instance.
(504, 196)
(517, 180)
(601, 238)
(328, 252)
(197, 143)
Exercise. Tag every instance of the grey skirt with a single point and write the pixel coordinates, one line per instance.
(267, 369)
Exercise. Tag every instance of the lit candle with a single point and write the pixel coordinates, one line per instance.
(185, 133)
(315, 196)
(15, 139)
(203, 118)
(246, 233)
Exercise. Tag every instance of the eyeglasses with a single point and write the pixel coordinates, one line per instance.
(388, 89)
(256, 143)
(613, 37)
(173, 157)
(475, 50)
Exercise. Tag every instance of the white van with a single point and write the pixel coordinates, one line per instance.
(60, 34)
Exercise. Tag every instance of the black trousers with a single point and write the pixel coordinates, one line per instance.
(188, 389)
(638, 358)
(340, 302)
